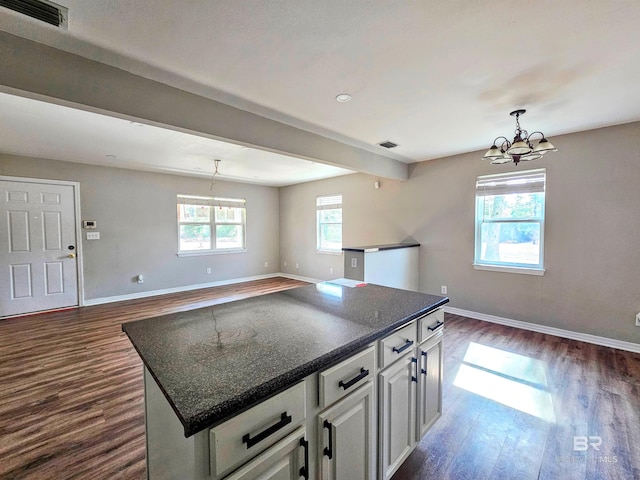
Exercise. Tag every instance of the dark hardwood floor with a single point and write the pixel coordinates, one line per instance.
(71, 391)
(71, 399)
(543, 408)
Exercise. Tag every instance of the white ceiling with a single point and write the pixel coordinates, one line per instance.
(438, 78)
(38, 129)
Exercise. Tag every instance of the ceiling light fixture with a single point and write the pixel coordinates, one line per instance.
(521, 149)
(343, 97)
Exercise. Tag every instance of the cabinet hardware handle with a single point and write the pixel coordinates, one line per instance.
(415, 360)
(328, 451)
(424, 354)
(436, 326)
(304, 470)
(284, 421)
(401, 349)
(424, 372)
(363, 373)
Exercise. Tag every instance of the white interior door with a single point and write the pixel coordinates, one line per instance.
(38, 254)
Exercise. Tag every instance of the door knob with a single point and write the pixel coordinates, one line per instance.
(72, 255)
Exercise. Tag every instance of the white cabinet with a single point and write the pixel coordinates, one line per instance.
(346, 434)
(410, 389)
(249, 433)
(429, 383)
(339, 381)
(397, 385)
(286, 460)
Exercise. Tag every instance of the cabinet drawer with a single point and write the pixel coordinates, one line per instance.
(396, 344)
(428, 324)
(250, 432)
(345, 377)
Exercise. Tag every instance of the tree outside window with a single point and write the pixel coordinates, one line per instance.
(210, 224)
(510, 219)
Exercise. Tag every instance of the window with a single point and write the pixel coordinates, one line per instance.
(329, 221)
(210, 224)
(510, 222)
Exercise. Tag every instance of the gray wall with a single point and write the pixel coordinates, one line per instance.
(136, 215)
(592, 233)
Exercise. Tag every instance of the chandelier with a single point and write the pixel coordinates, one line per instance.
(521, 149)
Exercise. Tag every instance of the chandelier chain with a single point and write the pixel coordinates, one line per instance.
(215, 172)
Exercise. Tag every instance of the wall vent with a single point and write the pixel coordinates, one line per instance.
(41, 10)
(388, 144)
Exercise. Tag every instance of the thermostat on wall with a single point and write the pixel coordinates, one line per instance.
(92, 224)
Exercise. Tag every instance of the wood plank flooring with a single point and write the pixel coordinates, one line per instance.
(71, 398)
(569, 388)
(71, 390)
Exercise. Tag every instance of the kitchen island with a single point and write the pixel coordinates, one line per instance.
(216, 370)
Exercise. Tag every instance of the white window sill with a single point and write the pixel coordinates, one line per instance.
(210, 252)
(330, 252)
(505, 269)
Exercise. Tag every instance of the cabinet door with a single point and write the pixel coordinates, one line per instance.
(429, 384)
(286, 460)
(397, 413)
(347, 437)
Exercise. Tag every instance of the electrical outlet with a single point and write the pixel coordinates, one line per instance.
(638, 319)
(266, 264)
(284, 264)
(331, 271)
(208, 270)
(443, 289)
(297, 265)
(354, 262)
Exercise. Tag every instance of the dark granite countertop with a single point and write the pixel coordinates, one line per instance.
(377, 248)
(214, 362)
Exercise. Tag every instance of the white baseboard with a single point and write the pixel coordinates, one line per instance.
(298, 277)
(186, 288)
(557, 332)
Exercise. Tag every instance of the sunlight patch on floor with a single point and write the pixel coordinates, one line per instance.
(513, 380)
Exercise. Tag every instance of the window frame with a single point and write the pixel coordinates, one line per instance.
(519, 185)
(213, 223)
(328, 202)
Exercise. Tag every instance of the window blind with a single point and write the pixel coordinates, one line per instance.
(530, 181)
(329, 202)
(212, 201)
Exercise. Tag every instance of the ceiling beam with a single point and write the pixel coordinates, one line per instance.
(41, 71)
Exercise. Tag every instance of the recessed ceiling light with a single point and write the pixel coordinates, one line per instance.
(137, 124)
(343, 97)
(110, 155)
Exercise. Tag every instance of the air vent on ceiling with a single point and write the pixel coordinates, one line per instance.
(388, 144)
(41, 10)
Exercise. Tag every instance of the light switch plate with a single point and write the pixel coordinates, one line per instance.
(93, 235)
